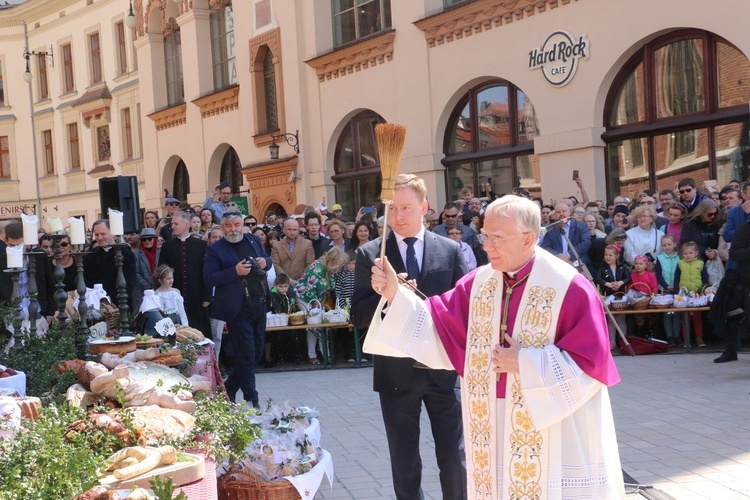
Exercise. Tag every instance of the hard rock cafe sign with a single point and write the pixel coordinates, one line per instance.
(558, 57)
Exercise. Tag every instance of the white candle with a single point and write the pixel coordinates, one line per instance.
(55, 224)
(15, 256)
(115, 222)
(30, 228)
(77, 231)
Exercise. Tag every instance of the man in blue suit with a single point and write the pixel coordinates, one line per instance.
(578, 234)
(239, 299)
(435, 263)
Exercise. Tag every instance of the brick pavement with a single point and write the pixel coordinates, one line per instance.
(683, 424)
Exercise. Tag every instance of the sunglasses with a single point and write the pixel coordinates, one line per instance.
(686, 190)
(450, 216)
(712, 214)
(173, 204)
(147, 239)
(251, 224)
(64, 244)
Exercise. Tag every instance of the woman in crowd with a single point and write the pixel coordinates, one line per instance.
(336, 231)
(261, 234)
(644, 239)
(207, 219)
(361, 235)
(316, 283)
(676, 215)
(271, 238)
(195, 226)
(596, 231)
(150, 219)
(68, 263)
(214, 234)
(702, 226)
(456, 234)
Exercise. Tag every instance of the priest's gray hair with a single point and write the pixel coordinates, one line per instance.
(525, 212)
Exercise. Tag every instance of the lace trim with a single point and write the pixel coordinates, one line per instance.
(562, 383)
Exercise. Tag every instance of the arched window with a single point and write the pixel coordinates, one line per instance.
(678, 109)
(269, 92)
(230, 170)
(490, 138)
(357, 165)
(181, 186)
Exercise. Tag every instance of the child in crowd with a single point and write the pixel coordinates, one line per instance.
(691, 274)
(281, 299)
(676, 214)
(642, 280)
(613, 277)
(172, 303)
(344, 290)
(666, 265)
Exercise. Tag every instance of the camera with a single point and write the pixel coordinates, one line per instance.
(650, 257)
(255, 267)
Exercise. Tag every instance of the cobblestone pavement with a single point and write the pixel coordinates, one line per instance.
(683, 424)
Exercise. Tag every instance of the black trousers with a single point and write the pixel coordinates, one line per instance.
(246, 342)
(401, 412)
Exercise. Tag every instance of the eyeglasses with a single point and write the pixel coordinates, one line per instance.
(712, 214)
(251, 224)
(450, 216)
(173, 204)
(149, 238)
(64, 244)
(686, 190)
(494, 240)
(578, 212)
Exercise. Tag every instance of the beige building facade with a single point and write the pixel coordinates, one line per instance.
(70, 111)
(495, 94)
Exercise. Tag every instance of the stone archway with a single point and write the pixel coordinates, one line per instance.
(272, 182)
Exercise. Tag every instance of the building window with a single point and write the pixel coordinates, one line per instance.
(102, 144)
(41, 62)
(356, 164)
(662, 113)
(355, 19)
(68, 78)
(490, 141)
(49, 157)
(222, 48)
(73, 147)
(181, 186)
(269, 92)
(4, 157)
(127, 133)
(173, 60)
(122, 49)
(96, 58)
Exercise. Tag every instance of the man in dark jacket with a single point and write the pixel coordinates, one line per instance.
(436, 264)
(99, 264)
(321, 244)
(184, 254)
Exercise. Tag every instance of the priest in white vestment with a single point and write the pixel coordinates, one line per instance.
(529, 338)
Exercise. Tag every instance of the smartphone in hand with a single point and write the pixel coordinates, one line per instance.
(575, 174)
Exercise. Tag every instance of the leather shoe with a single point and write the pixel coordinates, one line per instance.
(726, 356)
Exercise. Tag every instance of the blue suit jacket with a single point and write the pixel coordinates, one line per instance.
(578, 235)
(219, 271)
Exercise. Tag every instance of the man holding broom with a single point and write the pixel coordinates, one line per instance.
(529, 339)
(436, 264)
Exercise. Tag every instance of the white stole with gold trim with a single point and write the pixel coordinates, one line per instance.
(524, 448)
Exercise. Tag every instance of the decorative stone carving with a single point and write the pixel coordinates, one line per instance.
(219, 102)
(356, 57)
(482, 15)
(170, 117)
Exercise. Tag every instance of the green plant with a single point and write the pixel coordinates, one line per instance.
(38, 358)
(41, 463)
(163, 489)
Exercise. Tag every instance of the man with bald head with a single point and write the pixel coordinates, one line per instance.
(577, 233)
(293, 254)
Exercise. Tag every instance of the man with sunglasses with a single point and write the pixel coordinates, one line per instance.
(250, 223)
(171, 206)
(530, 340)
(451, 214)
(689, 195)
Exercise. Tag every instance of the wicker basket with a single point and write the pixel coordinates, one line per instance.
(641, 304)
(297, 319)
(242, 485)
(315, 318)
(276, 320)
(111, 315)
(619, 303)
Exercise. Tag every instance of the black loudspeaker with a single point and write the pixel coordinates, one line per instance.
(121, 193)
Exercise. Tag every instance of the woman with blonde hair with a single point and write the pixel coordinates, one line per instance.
(644, 239)
(336, 230)
(316, 283)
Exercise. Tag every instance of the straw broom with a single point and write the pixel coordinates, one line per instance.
(390, 139)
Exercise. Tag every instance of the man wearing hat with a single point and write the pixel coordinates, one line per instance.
(171, 205)
(619, 219)
(223, 197)
(146, 257)
(336, 211)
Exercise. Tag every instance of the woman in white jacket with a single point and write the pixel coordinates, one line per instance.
(644, 239)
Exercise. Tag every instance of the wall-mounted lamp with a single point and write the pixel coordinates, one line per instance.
(130, 18)
(294, 176)
(27, 55)
(291, 139)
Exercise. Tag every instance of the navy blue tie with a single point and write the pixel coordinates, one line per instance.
(412, 266)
